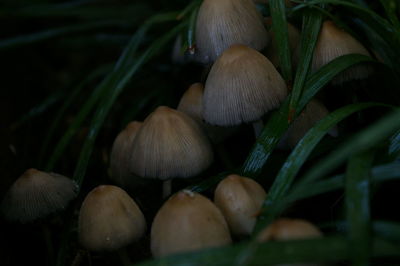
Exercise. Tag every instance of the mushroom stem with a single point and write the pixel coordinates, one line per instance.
(49, 244)
(258, 127)
(167, 188)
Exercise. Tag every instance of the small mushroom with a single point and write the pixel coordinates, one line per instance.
(188, 221)
(37, 194)
(239, 199)
(109, 219)
(222, 23)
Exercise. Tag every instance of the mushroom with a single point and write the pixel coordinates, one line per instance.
(334, 42)
(188, 221)
(241, 87)
(240, 200)
(120, 154)
(312, 113)
(222, 23)
(37, 194)
(109, 219)
(168, 145)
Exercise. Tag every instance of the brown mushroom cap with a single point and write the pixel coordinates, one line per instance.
(120, 154)
(288, 229)
(191, 102)
(36, 194)
(170, 144)
(222, 23)
(187, 221)
(334, 42)
(240, 200)
(241, 87)
(109, 219)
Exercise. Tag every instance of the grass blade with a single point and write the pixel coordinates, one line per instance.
(357, 197)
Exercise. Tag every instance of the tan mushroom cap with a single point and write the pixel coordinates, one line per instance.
(288, 229)
(120, 154)
(334, 42)
(170, 144)
(222, 23)
(241, 87)
(191, 102)
(188, 221)
(109, 219)
(37, 194)
(240, 200)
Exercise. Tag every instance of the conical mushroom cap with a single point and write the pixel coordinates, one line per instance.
(312, 113)
(170, 144)
(191, 102)
(334, 42)
(188, 221)
(288, 229)
(36, 194)
(120, 154)
(240, 200)
(222, 23)
(241, 87)
(109, 219)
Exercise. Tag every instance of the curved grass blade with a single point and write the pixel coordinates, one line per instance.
(53, 33)
(390, 7)
(328, 249)
(361, 141)
(278, 124)
(280, 29)
(297, 158)
(357, 197)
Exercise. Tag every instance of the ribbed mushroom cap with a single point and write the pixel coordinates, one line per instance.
(120, 154)
(272, 50)
(312, 113)
(170, 144)
(109, 219)
(191, 102)
(188, 221)
(222, 23)
(334, 42)
(241, 87)
(288, 229)
(36, 194)
(240, 200)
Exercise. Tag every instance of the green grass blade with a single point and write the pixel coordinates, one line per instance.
(363, 140)
(297, 158)
(387, 230)
(311, 26)
(58, 32)
(357, 198)
(394, 146)
(390, 7)
(280, 29)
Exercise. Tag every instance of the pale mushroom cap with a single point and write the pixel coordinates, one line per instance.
(289, 229)
(240, 200)
(188, 221)
(222, 23)
(120, 153)
(312, 113)
(170, 144)
(109, 219)
(191, 102)
(242, 86)
(334, 42)
(36, 194)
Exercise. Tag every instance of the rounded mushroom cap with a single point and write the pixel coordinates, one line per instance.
(241, 87)
(191, 102)
(240, 200)
(170, 144)
(109, 219)
(288, 229)
(222, 23)
(36, 194)
(312, 113)
(188, 221)
(334, 42)
(120, 153)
